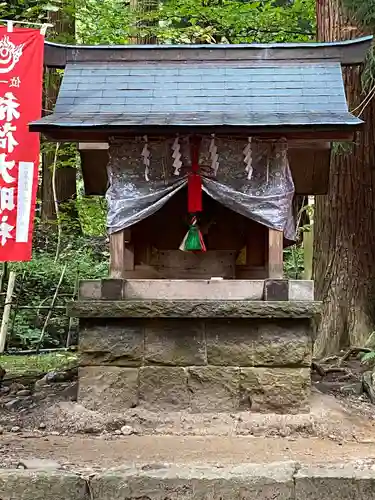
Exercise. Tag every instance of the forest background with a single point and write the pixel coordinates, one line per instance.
(70, 241)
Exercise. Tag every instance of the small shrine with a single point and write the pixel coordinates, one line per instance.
(200, 151)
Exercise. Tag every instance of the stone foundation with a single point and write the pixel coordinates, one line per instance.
(222, 356)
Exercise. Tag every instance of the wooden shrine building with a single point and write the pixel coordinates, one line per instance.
(218, 139)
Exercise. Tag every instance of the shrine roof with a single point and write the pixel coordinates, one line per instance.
(250, 86)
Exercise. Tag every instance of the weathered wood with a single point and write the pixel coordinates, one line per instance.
(121, 254)
(275, 254)
(179, 265)
(310, 170)
(94, 170)
(192, 308)
(103, 133)
(351, 52)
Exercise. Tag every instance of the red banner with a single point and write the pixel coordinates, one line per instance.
(21, 77)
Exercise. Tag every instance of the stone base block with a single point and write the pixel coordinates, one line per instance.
(108, 387)
(199, 389)
(163, 388)
(213, 388)
(275, 390)
(199, 364)
(116, 343)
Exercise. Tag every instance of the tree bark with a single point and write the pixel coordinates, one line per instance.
(344, 222)
(66, 188)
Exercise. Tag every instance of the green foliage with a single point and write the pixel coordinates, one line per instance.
(368, 358)
(86, 258)
(16, 366)
(115, 22)
(196, 21)
(363, 11)
(232, 21)
(174, 21)
(294, 262)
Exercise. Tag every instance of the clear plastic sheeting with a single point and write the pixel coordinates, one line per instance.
(258, 185)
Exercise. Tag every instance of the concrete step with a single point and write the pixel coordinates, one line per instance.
(282, 481)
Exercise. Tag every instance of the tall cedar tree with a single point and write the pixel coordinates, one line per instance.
(344, 230)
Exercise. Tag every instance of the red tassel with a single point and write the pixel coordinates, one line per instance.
(194, 193)
(194, 179)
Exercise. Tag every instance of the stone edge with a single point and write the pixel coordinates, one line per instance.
(266, 289)
(296, 480)
(192, 309)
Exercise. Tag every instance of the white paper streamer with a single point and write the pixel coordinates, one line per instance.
(248, 159)
(177, 163)
(214, 155)
(146, 158)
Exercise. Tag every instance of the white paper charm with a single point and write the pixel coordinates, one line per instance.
(248, 159)
(176, 155)
(214, 155)
(146, 158)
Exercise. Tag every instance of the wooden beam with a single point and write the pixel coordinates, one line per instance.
(95, 134)
(349, 52)
(275, 253)
(121, 254)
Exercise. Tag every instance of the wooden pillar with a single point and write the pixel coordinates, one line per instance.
(121, 253)
(275, 254)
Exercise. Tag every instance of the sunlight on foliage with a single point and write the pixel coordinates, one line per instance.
(30, 365)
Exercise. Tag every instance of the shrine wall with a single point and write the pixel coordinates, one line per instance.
(210, 365)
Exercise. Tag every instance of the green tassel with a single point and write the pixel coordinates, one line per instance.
(193, 241)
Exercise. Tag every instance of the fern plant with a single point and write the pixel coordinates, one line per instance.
(368, 358)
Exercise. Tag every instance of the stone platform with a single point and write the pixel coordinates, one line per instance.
(195, 355)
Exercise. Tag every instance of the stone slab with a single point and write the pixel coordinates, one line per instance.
(283, 342)
(112, 289)
(335, 482)
(115, 342)
(38, 485)
(214, 388)
(194, 289)
(275, 390)
(301, 290)
(160, 482)
(238, 342)
(108, 387)
(163, 388)
(276, 289)
(192, 309)
(264, 481)
(178, 342)
(90, 290)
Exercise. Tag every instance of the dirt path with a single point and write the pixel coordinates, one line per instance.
(102, 453)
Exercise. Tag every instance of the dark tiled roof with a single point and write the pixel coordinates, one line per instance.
(242, 93)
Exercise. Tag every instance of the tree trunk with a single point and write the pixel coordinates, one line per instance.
(142, 35)
(344, 225)
(66, 188)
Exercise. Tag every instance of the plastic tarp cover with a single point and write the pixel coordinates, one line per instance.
(258, 185)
